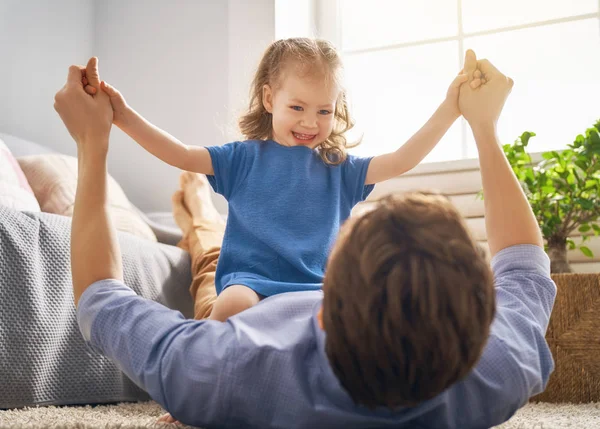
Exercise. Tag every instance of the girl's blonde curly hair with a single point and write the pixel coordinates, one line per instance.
(315, 56)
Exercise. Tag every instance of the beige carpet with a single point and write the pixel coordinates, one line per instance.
(144, 415)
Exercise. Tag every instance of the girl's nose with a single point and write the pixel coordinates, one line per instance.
(309, 121)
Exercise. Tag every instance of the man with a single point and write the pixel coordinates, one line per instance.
(290, 362)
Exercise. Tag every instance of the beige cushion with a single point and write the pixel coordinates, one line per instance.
(15, 191)
(53, 178)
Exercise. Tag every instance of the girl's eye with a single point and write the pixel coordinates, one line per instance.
(325, 112)
(297, 108)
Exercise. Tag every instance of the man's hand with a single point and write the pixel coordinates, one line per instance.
(482, 100)
(86, 117)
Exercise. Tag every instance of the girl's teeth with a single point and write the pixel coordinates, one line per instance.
(303, 136)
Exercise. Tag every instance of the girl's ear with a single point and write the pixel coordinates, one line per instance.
(267, 98)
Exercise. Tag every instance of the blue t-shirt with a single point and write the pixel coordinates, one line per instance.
(285, 209)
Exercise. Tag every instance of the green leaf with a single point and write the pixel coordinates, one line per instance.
(585, 203)
(526, 136)
(596, 228)
(571, 244)
(584, 228)
(586, 251)
(593, 136)
(547, 155)
(546, 231)
(581, 164)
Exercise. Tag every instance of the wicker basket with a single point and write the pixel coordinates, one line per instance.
(574, 339)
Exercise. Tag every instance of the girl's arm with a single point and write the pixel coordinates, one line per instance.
(164, 146)
(156, 141)
(411, 153)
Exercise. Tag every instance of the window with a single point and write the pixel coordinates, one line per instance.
(401, 56)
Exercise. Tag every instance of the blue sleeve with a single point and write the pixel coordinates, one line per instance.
(181, 363)
(525, 295)
(516, 362)
(230, 163)
(354, 173)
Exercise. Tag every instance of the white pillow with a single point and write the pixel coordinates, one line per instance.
(15, 191)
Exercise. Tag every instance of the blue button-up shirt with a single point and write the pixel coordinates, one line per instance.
(266, 367)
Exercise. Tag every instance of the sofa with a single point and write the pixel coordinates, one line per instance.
(44, 360)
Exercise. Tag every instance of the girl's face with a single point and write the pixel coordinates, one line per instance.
(302, 108)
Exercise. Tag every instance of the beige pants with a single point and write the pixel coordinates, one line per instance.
(203, 242)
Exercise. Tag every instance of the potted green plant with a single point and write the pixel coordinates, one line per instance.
(563, 190)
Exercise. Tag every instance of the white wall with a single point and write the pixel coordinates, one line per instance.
(182, 65)
(39, 39)
(186, 65)
(169, 59)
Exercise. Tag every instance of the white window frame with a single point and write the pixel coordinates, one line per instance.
(327, 24)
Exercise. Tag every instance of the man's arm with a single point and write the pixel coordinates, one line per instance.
(509, 219)
(180, 363)
(516, 358)
(183, 364)
(95, 252)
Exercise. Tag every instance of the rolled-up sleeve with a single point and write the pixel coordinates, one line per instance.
(181, 363)
(525, 295)
(522, 272)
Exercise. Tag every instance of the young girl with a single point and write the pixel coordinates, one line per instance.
(292, 183)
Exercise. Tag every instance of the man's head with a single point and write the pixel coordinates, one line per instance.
(408, 301)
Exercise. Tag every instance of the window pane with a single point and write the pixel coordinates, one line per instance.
(556, 69)
(481, 15)
(383, 22)
(393, 93)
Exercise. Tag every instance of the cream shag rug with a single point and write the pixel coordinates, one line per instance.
(144, 415)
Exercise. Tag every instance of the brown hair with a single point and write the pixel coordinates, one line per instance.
(315, 56)
(408, 301)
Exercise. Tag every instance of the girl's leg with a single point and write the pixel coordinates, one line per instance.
(203, 229)
(233, 300)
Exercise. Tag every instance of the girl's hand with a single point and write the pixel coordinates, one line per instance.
(117, 101)
(452, 95)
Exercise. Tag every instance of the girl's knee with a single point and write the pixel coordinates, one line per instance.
(233, 300)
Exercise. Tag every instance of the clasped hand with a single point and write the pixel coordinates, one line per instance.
(482, 98)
